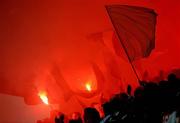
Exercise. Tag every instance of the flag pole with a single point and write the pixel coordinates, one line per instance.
(119, 38)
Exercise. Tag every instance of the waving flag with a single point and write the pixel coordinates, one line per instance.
(135, 28)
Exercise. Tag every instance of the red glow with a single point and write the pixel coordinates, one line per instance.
(38, 38)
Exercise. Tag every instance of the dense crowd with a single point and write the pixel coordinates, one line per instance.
(151, 102)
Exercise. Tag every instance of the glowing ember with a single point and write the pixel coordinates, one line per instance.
(44, 98)
(88, 87)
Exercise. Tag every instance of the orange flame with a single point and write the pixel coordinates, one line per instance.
(44, 97)
(88, 87)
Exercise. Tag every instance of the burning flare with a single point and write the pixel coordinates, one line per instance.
(44, 97)
(88, 87)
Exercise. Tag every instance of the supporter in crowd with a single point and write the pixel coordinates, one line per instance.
(91, 115)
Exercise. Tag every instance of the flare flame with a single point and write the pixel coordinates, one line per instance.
(44, 98)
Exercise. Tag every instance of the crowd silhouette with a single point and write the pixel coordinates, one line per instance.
(151, 102)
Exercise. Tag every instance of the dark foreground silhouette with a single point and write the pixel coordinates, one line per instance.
(152, 102)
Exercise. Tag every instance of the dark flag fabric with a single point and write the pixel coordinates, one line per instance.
(135, 28)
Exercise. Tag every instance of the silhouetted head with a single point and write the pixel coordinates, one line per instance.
(172, 77)
(74, 121)
(91, 115)
(59, 118)
(139, 92)
(107, 108)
